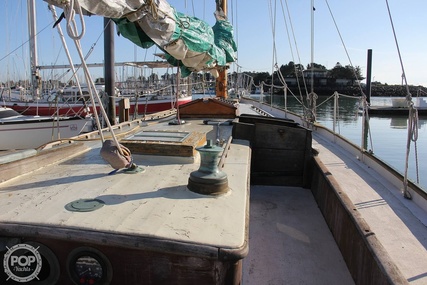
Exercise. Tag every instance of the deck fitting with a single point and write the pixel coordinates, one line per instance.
(84, 205)
(208, 179)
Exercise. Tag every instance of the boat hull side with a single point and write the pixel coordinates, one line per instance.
(49, 109)
(35, 134)
(137, 266)
(366, 258)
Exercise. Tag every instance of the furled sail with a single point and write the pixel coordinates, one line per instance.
(187, 41)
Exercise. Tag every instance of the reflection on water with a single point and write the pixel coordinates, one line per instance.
(388, 134)
(399, 123)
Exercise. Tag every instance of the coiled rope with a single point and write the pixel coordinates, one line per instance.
(70, 14)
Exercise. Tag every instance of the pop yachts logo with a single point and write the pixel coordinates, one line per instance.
(22, 262)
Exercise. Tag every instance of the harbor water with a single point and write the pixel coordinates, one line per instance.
(387, 137)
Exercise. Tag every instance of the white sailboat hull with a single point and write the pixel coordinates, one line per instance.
(33, 133)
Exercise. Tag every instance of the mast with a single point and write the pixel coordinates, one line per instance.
(311, 100)
(35, 78)
(221, 81)
(109, 69)
(365, 124)
(368, 76)
(312, 48)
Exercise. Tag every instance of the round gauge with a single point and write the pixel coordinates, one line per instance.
(88, 266)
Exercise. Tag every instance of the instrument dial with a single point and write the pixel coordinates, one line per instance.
(88, 266)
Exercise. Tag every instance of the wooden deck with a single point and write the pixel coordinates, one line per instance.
(289, 241)
(130, 197)
(399, 224)
(151, 216)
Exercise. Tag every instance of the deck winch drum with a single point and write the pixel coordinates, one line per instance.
(208, 179)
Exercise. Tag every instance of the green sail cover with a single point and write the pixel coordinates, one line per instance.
(223, 32)
(133, 33)
(187, 41)
(215, 45)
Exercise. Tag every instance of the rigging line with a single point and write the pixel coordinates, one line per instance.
(312, 97)
(192, 5)
(92, 47)
(365, 105)
(398, 49)
(234, 23)
(233, 12)
(89, 80)
(326, 100)
(56, 60)
(413, 113)
(24, 43)
(204, 9)
(290, 45)
(273, 30)
(413, 135)
(64, 45)
(296, 48)
(312, 47)
(345, 48)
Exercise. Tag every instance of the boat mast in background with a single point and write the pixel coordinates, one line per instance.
(35, 78)
(109, 69)
(368, 76)
(221, 81)
(365, 125)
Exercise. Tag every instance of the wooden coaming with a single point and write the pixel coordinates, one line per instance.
(209, 108)
(281, 150)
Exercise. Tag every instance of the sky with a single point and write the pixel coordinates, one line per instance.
(344, 30)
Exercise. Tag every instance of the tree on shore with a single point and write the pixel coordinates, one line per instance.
(296, 70)
(291, 70)
(346, 72)
(316, 66)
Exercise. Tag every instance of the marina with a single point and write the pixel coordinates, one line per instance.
(393, 111)
(227, 188)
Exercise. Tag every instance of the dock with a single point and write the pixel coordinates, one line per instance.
(394, 111)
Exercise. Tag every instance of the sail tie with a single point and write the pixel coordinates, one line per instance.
(152, 7)
(149, 6)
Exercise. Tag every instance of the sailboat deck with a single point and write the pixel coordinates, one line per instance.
(153, 204)
(287, 234)
(289, 241)
(399, 224)
(288, 237)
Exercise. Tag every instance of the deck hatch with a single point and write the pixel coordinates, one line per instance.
(84, 205)
(160, 136)
(165, 143)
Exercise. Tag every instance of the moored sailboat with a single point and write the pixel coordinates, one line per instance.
(323, 215)
(28, 132)
(68, 101)
(31, 131)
